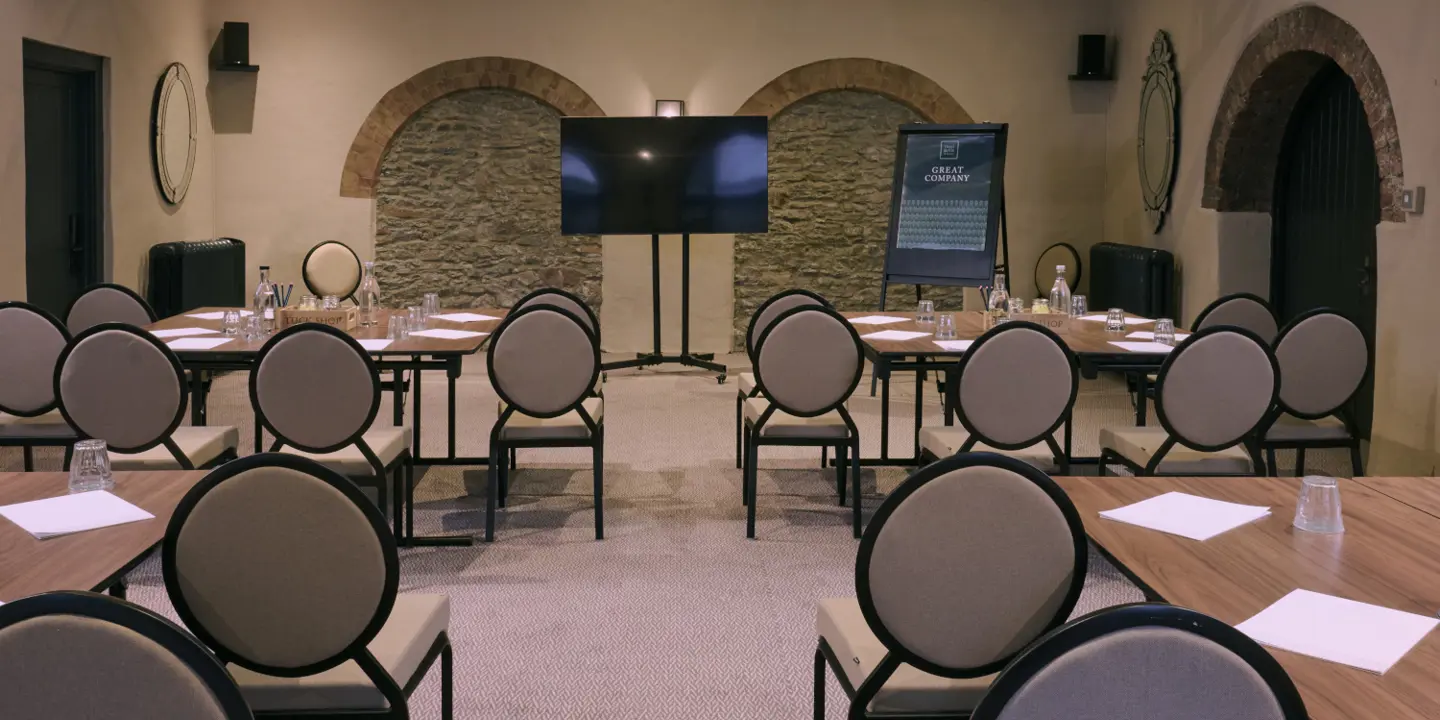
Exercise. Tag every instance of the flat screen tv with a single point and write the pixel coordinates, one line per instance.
(658, 175)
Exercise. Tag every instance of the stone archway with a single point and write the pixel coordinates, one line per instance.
(897, 82)
(1267, 82)
(362, 163)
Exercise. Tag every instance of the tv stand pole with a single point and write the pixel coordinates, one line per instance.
(656, 357)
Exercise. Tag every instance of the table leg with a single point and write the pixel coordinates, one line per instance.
(919, 406)
(418, 414)
(398, 385)
(452, 373)
(1142, 392)
(197, 397)
(882, 368)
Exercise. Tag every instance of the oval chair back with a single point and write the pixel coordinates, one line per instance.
(1215, 391)
(1141, 662)
(978, 536)
(68, 654)
(543, 362)
(108, 303)
(1323, 360)
(316, 389)
(1018, 384)
(561, 299)
(283, 567)
(808, 362)
(331, 268)
(772, 308)
(31, 341)
(120, 384)
(1242, 310)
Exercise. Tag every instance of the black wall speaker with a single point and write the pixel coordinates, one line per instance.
(235, 44)
(1090, 62)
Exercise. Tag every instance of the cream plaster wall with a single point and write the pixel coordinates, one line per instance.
(140, 38)
(1221, 253)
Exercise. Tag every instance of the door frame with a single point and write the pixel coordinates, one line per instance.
(91, 68)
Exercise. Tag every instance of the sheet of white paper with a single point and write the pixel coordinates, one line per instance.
(182, 332)
(1189, 516)
(1343, 631)
(895, 335)
(1142, 347)
(1128, 320)
(373, 344)
(197, 343)
(961, 345)
(448, 334)
(72, 513)
(1148, 335)
(464, 317)
(876, 320)
(217, 315)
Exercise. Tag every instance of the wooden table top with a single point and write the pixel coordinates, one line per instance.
(1084, 337)
(1421, 493)
(1389, 555)
(408, 346)
(87, 560)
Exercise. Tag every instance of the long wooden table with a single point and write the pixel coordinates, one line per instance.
(1389, 555)
(1421, 493)
(93, 560)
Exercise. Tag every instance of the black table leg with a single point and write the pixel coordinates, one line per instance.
(197, 397)
(452, 373)
(882, 368)
(919, 407)
(398, 385)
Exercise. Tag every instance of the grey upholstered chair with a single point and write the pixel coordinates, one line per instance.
(316, 390)
(543, 363)
(288, 573)
(31, 341)
(1242, 310)
(331, 268)
(1323, 359)
(963, 566)
(1144, 662)
(1016, 386)
(120, 384)
(807, 364)
(1213, 399)
(562, 299)
(108, 303)
(82, 655)
(759, 322)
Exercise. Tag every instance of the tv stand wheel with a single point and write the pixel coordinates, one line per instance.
(720, 379)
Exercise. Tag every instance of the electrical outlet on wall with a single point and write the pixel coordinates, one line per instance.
(1412, 200)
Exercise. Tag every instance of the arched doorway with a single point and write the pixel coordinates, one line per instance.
(1327, 204)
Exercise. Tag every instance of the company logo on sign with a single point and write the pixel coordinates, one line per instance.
(949, 149)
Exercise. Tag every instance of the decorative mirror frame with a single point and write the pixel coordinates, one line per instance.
(176, 77)
(1159, 84)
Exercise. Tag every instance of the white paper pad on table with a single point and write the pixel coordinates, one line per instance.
(1343, 631)
(447, 334)
(954, 344)
(182, 332)
(197, 343)
(72, 513)
(464, 317)
(373, 344)
(1142, 347)
(1189, 516)
(217, 315)
(1148, 335)
(1128, 320)
(876, 320)
(895, 335)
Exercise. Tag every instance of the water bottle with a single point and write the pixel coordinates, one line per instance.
(369, 297)
(263, 304)
(1060, 293)
(998, 308)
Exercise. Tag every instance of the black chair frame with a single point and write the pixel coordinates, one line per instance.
(741, 397)
(305, 269)
(1352, 443)
(113, 286)
(27, 445)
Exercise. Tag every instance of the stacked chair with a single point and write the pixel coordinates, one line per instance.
(31, 341)
(1242, 310)
(759, 322)
(108, 303)
(1324, 358)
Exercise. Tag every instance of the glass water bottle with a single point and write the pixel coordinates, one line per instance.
(369, 297)
(998, 308)
(263, 304)
(1060, 293)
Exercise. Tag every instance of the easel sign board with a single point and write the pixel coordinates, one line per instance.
(947, 205)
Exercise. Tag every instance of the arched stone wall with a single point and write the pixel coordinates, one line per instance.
(897, 82)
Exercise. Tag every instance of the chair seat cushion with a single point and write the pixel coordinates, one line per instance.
(942, 442)
(841, 625)
(747, 383)
(568, 426)
(200, 445)
(401, 645)
(1288, 428)
(783, 424)
(388, 443)
(1138, 445)
(47, 426)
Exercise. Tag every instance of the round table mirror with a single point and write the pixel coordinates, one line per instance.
(175, 133)
(1159, 131)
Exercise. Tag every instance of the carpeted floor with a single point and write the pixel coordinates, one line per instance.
(675, 614)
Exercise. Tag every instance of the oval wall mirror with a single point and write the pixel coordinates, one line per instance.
(175, 133)
(1159, 133)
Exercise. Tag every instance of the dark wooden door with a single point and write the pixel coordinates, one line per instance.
(62, 175)
(1327, 204)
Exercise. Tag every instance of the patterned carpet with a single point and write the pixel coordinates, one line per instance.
(675, 614)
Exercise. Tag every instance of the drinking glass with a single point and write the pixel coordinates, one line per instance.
(431, 305)
(1165, 331)
(331, 302)
(1115, 320)
(1017, 307)
(309, 302)
(925, 312)
(1318, 509)
(1078, 305)
(253, 328)
(417, 318)
(1041, 306)
(399, 326)
(230, 323)
(90, 467)
(945, 327)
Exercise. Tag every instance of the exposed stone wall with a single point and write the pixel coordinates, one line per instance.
(831, 167)
(467, 204)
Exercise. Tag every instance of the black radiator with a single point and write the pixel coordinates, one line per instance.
(1139, 280)
(188, 275)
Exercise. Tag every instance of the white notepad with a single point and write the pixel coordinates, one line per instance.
(1142, 347)
(182, 332)
(895, 335)
(1186, 515)
(464, 317)
(876, 320)
(1128, 320)
(69, 514)
(203, 343)
(448, 334)
(1343, 631)
(1148, 335)
(960, 345)
(217, 315)
(373, 344)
